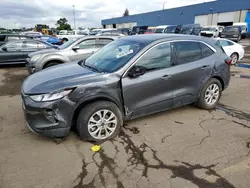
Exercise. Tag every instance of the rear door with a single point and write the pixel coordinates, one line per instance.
(192, 65)
(86, 48)
(12, 53)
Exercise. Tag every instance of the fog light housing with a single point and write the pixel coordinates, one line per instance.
(51, 116)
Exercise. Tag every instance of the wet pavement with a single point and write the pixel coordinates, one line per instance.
(182, 148)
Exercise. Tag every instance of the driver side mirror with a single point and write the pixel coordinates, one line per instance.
(4, 48)
(75, 48)
(136, 71)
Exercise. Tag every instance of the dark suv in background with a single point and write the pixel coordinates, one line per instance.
(128, 78)
(232, 32)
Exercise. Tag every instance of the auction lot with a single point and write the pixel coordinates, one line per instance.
(183, 148)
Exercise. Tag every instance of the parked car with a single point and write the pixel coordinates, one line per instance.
(4, 38)
(150, 30)
(129, 78)
(125, 31)
(232, 32)
(138, 30)
(244, 28)
(74, 50)
(95, 31)
(16, 52)
(172, 29)
(191, 29)
(232, 49)
(160, 29)
(221, 28)
(71, 35)
(51, 39)
(108, 31)
(210, 31)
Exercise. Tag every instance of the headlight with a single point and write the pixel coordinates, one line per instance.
(50, 96)
(235, 35)
(222, 35)
(35, 57)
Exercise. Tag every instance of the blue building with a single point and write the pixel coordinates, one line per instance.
(220, 12)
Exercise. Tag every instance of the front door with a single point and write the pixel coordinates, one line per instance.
(151, 92)
(86, 48)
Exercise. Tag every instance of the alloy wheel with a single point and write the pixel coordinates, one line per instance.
(102, 124)
(212, 94)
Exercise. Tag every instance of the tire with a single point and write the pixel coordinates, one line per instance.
(51, 64)
(235, 58)
(90, 112)
(239, 38)
(202, 103)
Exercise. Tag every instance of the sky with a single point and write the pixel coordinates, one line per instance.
(88, 13)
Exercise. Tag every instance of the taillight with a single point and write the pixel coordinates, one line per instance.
(228, 61)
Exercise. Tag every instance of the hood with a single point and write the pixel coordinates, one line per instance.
(51, 50)
(55, 78)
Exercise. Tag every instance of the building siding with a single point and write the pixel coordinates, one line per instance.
(181, 15)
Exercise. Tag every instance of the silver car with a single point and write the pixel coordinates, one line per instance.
(73, 50)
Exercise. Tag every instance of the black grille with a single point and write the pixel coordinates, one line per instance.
(206, 35)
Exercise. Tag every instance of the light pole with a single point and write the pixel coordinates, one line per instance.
(74, 17)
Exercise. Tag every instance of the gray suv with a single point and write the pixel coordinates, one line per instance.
(72, 50)
(129, 78)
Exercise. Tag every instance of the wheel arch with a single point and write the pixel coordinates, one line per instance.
(52, 60)
(90, 100)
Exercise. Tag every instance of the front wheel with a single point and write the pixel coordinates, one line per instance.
(99, 121)
(210, 94)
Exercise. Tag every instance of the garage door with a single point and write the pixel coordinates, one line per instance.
(202, 20)
(226, 17)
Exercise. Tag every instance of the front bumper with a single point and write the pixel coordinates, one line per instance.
(30, 66)
(51, 119)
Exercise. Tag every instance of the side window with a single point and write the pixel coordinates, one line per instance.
(223, 43)
(14, 46)
(2, 38)
(87, 44)
(10, 38)
(205, 50)
(34, 44)
(187, 52)
(102, 42)
(158, 57)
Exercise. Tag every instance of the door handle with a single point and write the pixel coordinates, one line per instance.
(205, 67)
(166, 77)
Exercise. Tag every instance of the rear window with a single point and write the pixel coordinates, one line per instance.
(205, 50)
(220, 47)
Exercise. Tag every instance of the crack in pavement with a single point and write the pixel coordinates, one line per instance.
(134, 130)
(165, 137)
(184, 171)
(231, 111)
(1, 124)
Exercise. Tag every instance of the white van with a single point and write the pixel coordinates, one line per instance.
(244, 28)
(210, 31)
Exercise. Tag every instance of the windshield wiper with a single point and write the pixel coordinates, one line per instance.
(82, 62)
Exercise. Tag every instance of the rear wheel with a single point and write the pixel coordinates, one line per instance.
(234, 58)
(99, 121)
(210, 94)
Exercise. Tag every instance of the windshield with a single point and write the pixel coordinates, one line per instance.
(113, 56)
(170, 29)
(159, 30)
(186, 30)
(232, 28)
(150, 31)
(66, 44)
(208, 29)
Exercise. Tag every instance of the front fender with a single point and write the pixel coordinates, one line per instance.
(54, 57)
